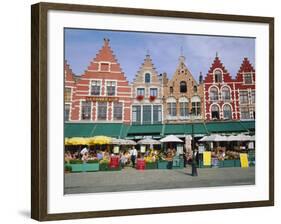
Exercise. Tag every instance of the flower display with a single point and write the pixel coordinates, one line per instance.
(152, 98)
(140, 97)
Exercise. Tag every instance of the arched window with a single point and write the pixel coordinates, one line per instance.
(218, 76)
(215, 111)
(194, 89)
(225, 93)
(147, 78)
(214, 95)
(227, 112)
(183, 88)
(183, 101)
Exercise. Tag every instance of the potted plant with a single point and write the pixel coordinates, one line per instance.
(152, 98)
(104, 165)
(67, 168)
(140, 97)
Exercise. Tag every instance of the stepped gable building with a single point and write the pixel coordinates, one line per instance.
(69, 88)
(245, 84)
(183, 96)
(103, 93)
(221, 102)
(147, 95)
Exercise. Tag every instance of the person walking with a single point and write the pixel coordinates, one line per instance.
(134, 154)
(195, 159)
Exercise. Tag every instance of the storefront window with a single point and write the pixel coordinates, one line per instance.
(225, 93)
(86, 111)
(67, 94)
(183, 88)
(153, 92)
(215, 112)
(66, 112)
(95, 88)
(243, 97)
(110, 88)
(227, 112)
(146, 114)
(184, 109)
(214, 95)
(157, 114)
(253, 96)
(102, 110)
(117, 111)
(136, 116)
(172, 109)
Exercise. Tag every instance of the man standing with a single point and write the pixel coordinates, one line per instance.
(134, 154)
(195, 159)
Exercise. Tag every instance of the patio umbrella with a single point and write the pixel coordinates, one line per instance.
(100, 140)
(77, 141)
(241, 137)
(129, 142)
(170, 138)
(214, 138)
(148, 141)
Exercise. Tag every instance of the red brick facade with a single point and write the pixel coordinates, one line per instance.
(102, 93)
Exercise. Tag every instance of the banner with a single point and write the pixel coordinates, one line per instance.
(207, 158)
(244, 160)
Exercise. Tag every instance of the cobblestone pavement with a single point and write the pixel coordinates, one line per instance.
(130, 179)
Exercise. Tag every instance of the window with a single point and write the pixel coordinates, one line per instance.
(245, 113)
(184, 109)
(214, 94)
(110, 88)
(102, 110)
(248, 78)
(172, 111)
(183, 88)
(140, 91)
(215, 112)
(171, 90)
(157, 114)
(194, 89)
(95, 88)
(147, 78)
(153, 92)
(253, 96)
(146, 114)
(227, 112)
(67, 94)
(136, 114)
(66, 112)
(86, 110)
(218, 76)
(243, 97)
(104, 67)
(225, 93)
(196, 108)
(117, 111)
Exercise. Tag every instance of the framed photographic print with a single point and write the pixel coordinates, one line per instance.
(132, 104)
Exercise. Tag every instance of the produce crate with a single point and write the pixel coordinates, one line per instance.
(118, 168)
(104, 166)
(77, 167)
(114, 162)
(178, 163)
(201, 165)
(237, 163)
(229, 163)
(150, 166)
(162, 164)
(140, 165)
(88, 167)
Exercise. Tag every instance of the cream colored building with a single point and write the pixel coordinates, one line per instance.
(147, 94)
(183, 96)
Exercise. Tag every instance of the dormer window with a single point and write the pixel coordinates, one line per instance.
(218, 76)
(147, 78)
(104, 67)
(248, 78)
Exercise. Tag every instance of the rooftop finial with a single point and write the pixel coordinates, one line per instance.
(217, 54)
(106, 40)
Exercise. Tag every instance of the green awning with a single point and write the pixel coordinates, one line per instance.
(185, 129)
(226, 127)
(250, 125)
(153, 129)
(91, 129)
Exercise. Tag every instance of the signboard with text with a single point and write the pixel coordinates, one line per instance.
(101, 99)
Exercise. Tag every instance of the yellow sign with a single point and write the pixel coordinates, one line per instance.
(244, 160)
(207, 158)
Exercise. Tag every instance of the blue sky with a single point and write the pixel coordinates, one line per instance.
(130, 48)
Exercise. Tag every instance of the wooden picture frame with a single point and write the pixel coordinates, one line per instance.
(39, 108)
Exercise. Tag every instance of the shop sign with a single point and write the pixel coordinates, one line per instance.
(143, 149)
(101, 99)
(244, 160)
(201, 148)
(207, 158)
(116, 149)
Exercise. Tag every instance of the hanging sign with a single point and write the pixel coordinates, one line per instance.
(143, 149)
(207, 158)
(244, 160)
(116, 149)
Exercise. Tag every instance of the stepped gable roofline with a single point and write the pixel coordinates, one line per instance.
(246, 66)
(217, 64)
(105, 54)
(69, 75)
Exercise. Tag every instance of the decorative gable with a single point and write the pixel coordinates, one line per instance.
(246, 66)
